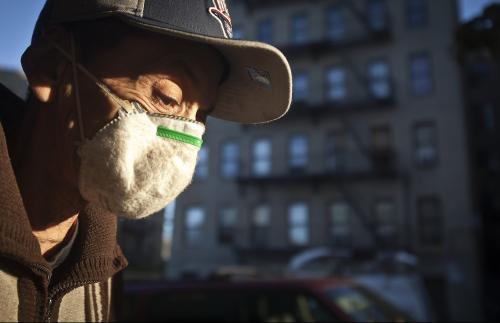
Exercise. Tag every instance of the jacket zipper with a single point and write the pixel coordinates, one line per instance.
(47, 274)
(60, 290)
(54, 294)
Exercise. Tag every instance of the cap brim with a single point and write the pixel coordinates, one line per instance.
(258, 88)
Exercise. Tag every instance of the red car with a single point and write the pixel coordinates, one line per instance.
(329, 300)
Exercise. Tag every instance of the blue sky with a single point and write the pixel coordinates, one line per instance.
(18, 18)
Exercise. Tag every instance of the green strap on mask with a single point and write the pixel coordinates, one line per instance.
(178, 136)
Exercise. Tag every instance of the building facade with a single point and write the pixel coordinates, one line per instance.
(371, 159)
(479, 53)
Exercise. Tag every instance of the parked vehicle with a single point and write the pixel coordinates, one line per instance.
(329, 300)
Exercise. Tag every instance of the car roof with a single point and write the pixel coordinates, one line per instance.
(247, 284)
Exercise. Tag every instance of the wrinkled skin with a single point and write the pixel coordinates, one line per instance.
(166, 75)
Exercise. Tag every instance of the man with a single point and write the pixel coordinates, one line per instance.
(119, 94)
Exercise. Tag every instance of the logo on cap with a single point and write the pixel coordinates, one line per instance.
(219, 11)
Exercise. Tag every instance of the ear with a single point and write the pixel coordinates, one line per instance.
(44, 65)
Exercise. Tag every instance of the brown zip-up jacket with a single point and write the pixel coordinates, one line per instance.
(79, 289)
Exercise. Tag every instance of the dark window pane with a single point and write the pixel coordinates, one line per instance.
(300, 29)
(194, 221)
(377, 15)
(430, 221)
(265, 31)
(416, 13)
(298, 221)
(335, 24)
(298, 152)
(426, 149)
(421, 74)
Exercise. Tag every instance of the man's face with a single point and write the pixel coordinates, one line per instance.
(166, 75)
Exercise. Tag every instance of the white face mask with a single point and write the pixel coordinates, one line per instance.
(139, 162)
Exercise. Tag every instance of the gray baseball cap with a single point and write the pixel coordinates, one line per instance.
(258, 87)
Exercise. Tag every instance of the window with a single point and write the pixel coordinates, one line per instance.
(262, 157)
(386, 221)
(298, 152)
(489, 116)
(335, 84)
(377, 14)
(416, 13)
(430, 220)
(340, 224)
(379, 79)
(300, 29)
(227, 225)
(421, 74)
(265, 31)
(426, 150)
(201, 170)
(194, 221)
(338, 149)
(335, 24)
(261, 221)
(238, 32)
(298, 221)
(381, 138)
(300, 86)
(230, 160)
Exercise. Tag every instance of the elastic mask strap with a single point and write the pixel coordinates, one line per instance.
(77, 89)
(77, 66)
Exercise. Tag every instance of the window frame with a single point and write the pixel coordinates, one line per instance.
(290, 157)
(253, 157)
(368, 4)
(307, 226)
(326, 85)
(349, 240)
(307, 94)
(441, 217)
(254, 227)
(389, 78)
(432, 88)
(271, 26)
(298, 41)
(197, 176)
(410, 24)
(186, 236)
(328, 25)
(427, 164)
(392, 241)
(222, 229)
(223, 161)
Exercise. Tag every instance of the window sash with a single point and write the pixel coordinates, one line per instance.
(265, 31)
(230, 157)
(377, 16)
(298, 219)
(417, 13)
(335, 24)
(194, 222)
(262, 157)
(300, 29)
(201, 170)
(421, 74)
(300, 86)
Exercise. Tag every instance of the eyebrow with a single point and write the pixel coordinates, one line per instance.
(194, 78)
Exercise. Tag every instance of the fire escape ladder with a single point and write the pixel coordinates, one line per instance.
(360, 214)
(365, 151)
(359, 76)
(362, 16)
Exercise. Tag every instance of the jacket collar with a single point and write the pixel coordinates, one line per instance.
(95, 254)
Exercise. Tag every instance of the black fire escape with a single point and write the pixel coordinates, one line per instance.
(382, 163)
